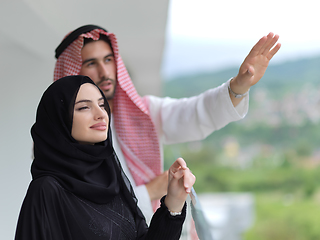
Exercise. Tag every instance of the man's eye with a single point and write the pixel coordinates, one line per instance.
(90, 64)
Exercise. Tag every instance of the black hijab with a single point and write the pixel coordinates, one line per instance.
(92, 172)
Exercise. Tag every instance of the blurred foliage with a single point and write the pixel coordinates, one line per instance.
(287, 176)
(287, 195)
(279, 164)
(285, 216)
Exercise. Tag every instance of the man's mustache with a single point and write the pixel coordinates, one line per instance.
(105, 79)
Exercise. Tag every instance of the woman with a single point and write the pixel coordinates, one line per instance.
(79, 190)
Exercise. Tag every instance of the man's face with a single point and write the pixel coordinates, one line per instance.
(98, 63)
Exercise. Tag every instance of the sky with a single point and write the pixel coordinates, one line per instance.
(211, 35)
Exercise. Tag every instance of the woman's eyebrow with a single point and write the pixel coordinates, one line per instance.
(84, 100)
(87, 100)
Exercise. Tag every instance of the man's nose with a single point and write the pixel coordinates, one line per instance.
(103, 71)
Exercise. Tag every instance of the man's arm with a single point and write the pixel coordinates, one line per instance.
(194, 118)
(254, 66)
(157, 187)
(190, 119)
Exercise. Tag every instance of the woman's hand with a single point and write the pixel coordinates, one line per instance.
(180, 183)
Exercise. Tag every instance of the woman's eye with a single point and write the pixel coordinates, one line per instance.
(82, 108)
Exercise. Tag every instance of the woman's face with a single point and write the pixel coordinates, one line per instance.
(90, 119)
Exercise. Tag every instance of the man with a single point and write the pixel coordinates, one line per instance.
(140, 125)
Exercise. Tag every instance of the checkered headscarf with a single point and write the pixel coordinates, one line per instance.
(135, 130)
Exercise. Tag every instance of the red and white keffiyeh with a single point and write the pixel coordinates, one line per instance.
(135, 130)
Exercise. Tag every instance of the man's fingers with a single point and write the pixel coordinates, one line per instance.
(263, 46)
(273, 51)
(265, 41)
(270, 43)
(257, 48)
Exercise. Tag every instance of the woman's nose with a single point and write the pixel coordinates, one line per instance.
(100, 113)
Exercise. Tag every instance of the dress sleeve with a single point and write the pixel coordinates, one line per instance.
(194, 118)
(163, 225)
(38, 216)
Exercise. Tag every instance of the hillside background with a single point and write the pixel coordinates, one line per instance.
(273, 152)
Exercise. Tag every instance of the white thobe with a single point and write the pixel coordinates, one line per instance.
(184, 120)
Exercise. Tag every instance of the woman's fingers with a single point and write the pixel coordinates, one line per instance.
(189, 180)
(184, 177)
(179, 163)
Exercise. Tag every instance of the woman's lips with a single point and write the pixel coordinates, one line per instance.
(99, 126)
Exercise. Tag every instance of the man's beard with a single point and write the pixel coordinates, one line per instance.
(110, 96)
(107, 94)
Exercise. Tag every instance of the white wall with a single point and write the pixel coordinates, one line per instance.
(29, 33)
(24, 77)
